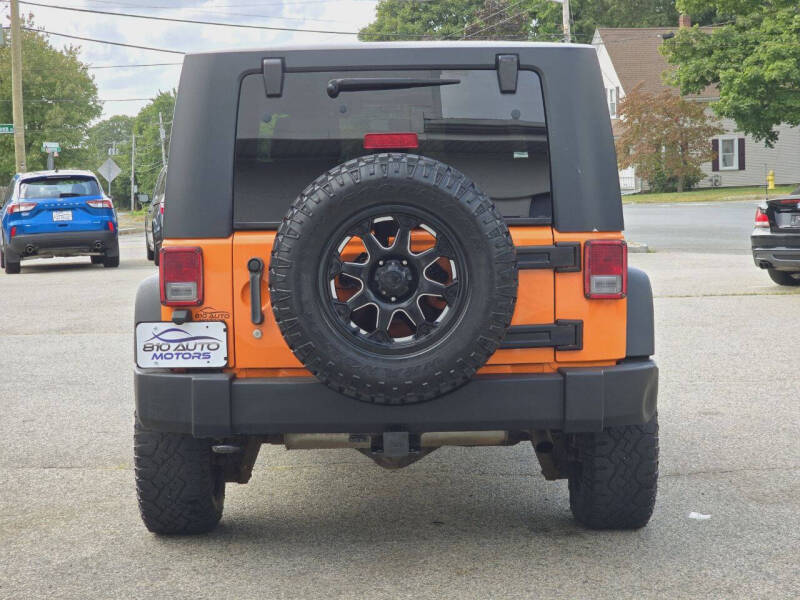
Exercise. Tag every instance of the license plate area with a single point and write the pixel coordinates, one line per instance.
(62, 215)
(165, 345)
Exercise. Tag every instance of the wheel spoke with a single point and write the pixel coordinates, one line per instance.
(434, 288)
(354, 270)
(383, 319)
(413, 311)
(402, 240)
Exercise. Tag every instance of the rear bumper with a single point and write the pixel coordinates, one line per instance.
(216, 405)
(67, 243)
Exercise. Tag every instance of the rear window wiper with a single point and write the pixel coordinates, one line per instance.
(360, 84)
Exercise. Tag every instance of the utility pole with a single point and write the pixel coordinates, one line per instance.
(163, 135)
(565, 20)
(16, 88)
(133, 167)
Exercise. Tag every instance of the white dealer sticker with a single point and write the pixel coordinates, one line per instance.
(167, 345)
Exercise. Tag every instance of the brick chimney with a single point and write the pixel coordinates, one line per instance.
(684, 21)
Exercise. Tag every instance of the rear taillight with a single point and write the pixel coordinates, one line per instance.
(762, 220)
(605, 269)
(105, 203)
(181, 276)
(21, 207)
(110, 225)
(390, 141)
(13, 231)
(161, 208)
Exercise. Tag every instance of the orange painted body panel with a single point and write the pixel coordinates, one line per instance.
(543, 297)
(217, 282)
(270, 351)
(535, 300)
(604, 321)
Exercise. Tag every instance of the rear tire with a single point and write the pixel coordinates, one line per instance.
(11, 268)
(613, 482)
(784, 277)
(179, 488)
(111, 261)
(156, 254)
(150, 253)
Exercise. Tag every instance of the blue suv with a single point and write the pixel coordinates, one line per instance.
(57, 213)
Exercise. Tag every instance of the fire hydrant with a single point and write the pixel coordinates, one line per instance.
(771, 180)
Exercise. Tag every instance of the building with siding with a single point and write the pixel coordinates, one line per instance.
(630, 56)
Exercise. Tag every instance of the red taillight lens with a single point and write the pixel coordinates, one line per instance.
(605, 269)
(390, 141)
(181, 276)
(100, 203)
(21, 207)
(161, 208)
(762, 220)
(13, 231)
(110, 226)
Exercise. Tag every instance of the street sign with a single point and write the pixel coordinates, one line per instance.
(6, 128)
(109, 170)
(51, 147)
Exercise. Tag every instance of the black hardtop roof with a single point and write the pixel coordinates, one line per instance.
(584, 178)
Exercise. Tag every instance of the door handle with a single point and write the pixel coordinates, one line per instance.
(256, 268)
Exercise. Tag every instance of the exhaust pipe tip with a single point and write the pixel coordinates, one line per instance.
(98, 245)
(29, 249)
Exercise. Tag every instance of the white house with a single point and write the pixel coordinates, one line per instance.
(630, 56)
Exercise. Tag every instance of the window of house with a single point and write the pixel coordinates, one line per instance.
(728, 153)
(613, 100)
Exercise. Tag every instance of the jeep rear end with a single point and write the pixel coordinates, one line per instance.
(392, 248)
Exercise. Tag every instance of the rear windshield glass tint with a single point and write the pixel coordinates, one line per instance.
(498, 140)
(59, 187)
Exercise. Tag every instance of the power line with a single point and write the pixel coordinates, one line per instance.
(209, 10)
(133, 65)
(86, 39)
(189, 21)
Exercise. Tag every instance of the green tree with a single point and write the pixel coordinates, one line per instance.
(111, 138)
(60, 101)
(148, 139)
(754, 60)
(665, 137)
(515, 19)
(405, 20)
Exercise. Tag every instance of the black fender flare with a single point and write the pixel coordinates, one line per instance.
(148, 301)
(640, 340)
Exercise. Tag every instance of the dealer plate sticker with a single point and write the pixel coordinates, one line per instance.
(193, 345)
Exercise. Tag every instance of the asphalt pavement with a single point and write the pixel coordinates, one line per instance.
(461, 523)
(707, 227)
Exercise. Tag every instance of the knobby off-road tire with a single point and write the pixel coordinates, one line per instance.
(613, 483)
(415, 188)
(784, 277)
(180, 490)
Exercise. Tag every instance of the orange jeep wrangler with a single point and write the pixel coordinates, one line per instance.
(393, 248)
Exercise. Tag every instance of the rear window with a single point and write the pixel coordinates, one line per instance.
(498, 140)
(59, 187)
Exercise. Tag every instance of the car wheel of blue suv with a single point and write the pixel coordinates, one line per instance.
(12, 268)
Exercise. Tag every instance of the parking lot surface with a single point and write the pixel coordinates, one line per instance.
(461, 523)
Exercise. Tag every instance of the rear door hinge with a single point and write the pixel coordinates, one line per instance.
(272, 70)
(563, 257)
(561, 335)
(507, 66)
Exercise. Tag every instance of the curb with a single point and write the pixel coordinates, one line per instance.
(130, 231)
(638, 248)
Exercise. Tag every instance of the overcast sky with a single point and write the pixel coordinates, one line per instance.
(145, 82)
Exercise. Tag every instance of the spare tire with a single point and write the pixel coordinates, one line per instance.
(393, 278)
